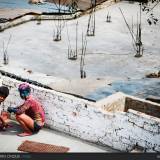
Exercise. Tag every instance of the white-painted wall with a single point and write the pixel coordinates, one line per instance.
(88, 121)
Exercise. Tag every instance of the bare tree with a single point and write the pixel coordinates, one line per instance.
(5, 52)
(148, 7)
(136, 39)
(91, 20)
(82, 62)
(108, 17)
(59, 24)
(73, 6)
(73, 53)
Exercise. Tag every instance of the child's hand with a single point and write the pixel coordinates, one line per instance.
(11, 109)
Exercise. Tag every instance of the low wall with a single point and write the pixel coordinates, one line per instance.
(15, 22)
(113, 103)
(88, 121)
(27, 18)
(122, 102)
(41, 16)
(143, 106)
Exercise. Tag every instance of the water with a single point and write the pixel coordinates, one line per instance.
(141, 88)
(23, 4)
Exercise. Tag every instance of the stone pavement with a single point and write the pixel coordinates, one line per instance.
(9, 141)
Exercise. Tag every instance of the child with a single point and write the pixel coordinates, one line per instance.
(30, 114)
(4, 92)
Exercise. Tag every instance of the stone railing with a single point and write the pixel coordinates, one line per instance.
(90, 121)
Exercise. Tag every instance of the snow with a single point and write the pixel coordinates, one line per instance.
(109, 55)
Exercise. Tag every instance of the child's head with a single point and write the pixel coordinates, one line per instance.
(4, 92)
(24, 90)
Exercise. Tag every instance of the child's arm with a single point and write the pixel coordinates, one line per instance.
(12, 109)
(18, 110)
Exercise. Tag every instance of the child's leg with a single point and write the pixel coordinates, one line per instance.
(26, 123)
(2, 123)
(5, 117)
(2, 120)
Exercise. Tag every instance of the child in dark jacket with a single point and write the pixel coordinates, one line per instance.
(4, 92)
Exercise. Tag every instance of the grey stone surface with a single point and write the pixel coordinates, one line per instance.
(9, 141)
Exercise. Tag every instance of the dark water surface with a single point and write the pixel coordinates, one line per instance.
(23, 4)
(141, 88)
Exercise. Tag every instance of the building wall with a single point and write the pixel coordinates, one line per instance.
(88, 121)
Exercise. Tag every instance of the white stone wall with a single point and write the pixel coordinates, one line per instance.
(81, 118)
(30, 17)
(17, 21)
(133, 128)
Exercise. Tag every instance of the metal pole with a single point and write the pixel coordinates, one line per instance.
(128, 27)
(76, 40)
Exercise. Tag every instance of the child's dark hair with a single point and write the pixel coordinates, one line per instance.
(4, 91)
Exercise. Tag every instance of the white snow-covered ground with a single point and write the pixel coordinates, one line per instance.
(109, 55)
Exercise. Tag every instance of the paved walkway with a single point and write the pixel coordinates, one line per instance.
(9, 141)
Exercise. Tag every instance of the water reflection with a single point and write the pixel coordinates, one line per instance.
(23, 4)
